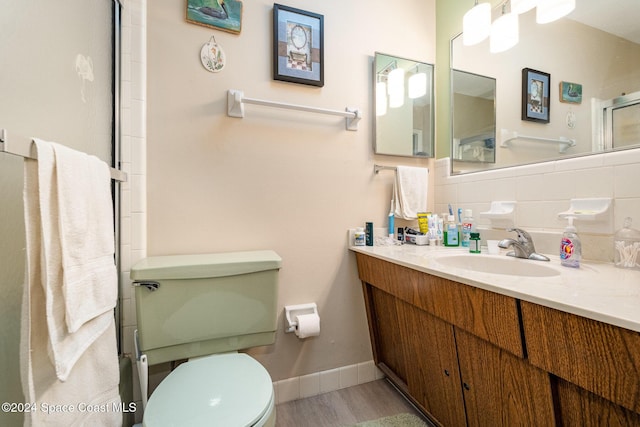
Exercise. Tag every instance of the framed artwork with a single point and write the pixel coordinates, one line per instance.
(571, 92)
(535, 95)
(225, 15)
(298, 46)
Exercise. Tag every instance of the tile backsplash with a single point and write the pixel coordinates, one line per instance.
(545, 189)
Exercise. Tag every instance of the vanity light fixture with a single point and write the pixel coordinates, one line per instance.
(504, 32)
(395, 87)
(551, 10)
(381, 98)
(476, 24)
(396, 100)
(417, 85)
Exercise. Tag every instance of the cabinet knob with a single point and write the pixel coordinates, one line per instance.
(466, 386)
(446, 372)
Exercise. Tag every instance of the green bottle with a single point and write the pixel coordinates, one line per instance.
(451, 233)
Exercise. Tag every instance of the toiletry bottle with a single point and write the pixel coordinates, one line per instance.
(474, 243)
(432, 233)
(570, 246)
(439, 230)
(468, 227)
(460, 225)
(358, 237)
(451, 235)
(392, 227)
(368, 233)
(423, 222)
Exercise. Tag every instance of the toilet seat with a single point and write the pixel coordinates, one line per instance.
(230, 389)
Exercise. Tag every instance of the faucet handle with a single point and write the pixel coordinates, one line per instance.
(523, 236)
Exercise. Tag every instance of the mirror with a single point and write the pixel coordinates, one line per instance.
(403, 105)
(589, 68)
(473, 122)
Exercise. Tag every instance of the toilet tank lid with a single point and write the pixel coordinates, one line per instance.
(199, 266)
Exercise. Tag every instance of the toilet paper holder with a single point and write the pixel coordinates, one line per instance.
(292, 311)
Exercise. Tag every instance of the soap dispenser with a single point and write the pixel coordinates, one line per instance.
(570, 246)
(626, 246)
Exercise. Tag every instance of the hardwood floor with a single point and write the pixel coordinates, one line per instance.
(344, 407)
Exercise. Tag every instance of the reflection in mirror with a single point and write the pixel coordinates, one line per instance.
(403, 91)
(474, 117)
(603, 65)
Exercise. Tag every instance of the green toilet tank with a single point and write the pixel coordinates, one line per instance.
(206, 303)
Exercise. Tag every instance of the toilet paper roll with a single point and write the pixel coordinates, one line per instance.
(308, 325)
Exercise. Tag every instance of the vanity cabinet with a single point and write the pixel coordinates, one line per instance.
(454, 349)
(467, 356)
(597, 365)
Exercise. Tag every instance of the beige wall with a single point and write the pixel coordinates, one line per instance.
(293, 182)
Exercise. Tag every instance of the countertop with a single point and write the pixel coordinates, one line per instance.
(597, 291)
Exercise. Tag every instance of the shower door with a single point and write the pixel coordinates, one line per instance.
(56, 83)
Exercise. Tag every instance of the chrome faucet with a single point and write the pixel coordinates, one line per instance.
(523, 247)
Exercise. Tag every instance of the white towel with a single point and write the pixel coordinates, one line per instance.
(59, 367)
(86, 235)
(410, 191)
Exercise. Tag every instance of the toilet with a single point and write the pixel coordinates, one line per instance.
(205, 308)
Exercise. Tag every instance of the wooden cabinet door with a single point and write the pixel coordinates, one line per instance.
(596, 356)
(501, 389)
(386, 340)
(433, 377)
(580, 408)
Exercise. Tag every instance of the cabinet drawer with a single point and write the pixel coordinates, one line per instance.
(601, 358)
(490, 316)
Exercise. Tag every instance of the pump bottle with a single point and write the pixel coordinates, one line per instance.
(570, 246)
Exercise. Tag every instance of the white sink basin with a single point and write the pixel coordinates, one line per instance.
(504, 265)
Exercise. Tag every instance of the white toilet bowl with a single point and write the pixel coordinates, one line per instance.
(226, 390)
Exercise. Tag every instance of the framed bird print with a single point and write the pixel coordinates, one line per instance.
(225, 15)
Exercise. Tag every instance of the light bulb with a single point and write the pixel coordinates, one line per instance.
(504, 33)
(381, 99)
(395, 81)
(396, 100)
(417, 85)
(476, 24)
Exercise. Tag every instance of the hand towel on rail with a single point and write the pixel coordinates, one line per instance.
(48, 352)
(46, 263)
(410, 191)
(85, 219)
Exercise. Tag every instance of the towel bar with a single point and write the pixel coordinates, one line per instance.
(23, 147)
(378, 168)
(236, 101)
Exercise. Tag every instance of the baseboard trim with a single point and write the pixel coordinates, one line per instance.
(325, 381)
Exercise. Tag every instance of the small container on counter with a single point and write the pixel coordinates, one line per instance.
(368, 233)
(474, 243)
(626, 247)
(359, 237)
